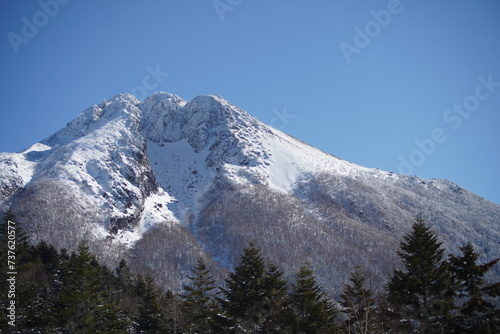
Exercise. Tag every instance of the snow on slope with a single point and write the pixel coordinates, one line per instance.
(100, 157)
(153, 161)
(22, 165)
(17, 170)
(181, 172)
(285, 160)
(126, 166)
(187, 145)
(155, 212)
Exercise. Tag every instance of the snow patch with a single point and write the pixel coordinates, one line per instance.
(155, 212)
(182, 173)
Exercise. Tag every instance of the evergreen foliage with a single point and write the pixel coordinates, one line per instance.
(255, 297)
(423, 292)
(62, 293)
(478, 312)
(277, 303)
(47, 273)
(82, 303)
(199, 302)
(358, 303)
(151, 317)
(245, 293)
(314, 313)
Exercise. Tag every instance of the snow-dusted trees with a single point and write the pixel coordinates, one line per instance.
(42, 206)
(76, 293)
(166, 252)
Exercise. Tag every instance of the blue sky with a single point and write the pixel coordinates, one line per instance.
(404, 86)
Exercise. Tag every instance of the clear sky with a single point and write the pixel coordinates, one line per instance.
(404, 86)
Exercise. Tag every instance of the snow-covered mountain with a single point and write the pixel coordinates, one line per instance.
(163, 181)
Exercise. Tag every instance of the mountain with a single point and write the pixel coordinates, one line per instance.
(164, 181)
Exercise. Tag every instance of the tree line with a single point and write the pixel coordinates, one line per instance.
(59, 292)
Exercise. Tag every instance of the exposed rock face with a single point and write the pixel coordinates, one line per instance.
(163, 181)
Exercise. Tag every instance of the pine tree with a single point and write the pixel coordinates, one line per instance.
(314, 313)
(478, 303)
(279, 315)
(199, 302)
(358, 303)
(423, 292)
(175, 319)
(83, 305)
(46, 255)
(151, 317)
(254, 298)
(43, 265)
(124, 296)
(244, 293)
(124, 275)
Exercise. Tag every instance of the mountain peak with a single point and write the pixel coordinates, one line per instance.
(158, 97)
(125, 98)
(208, 103)
(174, 177)
(202, 121)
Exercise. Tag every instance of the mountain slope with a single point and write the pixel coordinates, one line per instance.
(163, 181)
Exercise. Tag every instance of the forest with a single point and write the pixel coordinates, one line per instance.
(49, 290)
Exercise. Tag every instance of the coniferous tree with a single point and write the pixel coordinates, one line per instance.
(125, 275)
(199, 302)
(279, 315)
(358, 303)
(422, 293)
(254, 298)
(244, 293)
(314, 313)
(82, 305)
(43, 266)
(125, 297)
(477, 302)
(151, 316)
(46, 255)
(15, 229)
(173, 309)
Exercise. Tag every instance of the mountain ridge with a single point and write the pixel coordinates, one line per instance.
(163, 181)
